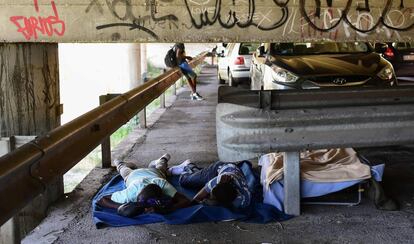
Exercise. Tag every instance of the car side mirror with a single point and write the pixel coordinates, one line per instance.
(261, 51)
(380, 47)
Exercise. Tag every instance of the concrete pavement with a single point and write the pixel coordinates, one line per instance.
(187, 130)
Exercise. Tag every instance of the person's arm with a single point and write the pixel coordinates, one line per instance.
(106, 202)
(180, 54)
(179, 201)
(201, 195)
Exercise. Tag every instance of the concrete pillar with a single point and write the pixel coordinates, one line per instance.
(135, 65)
(29, 89)
(144, 77)
(144, 62)
(135, 60)
(30, 105)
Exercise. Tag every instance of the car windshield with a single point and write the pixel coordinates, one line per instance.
(248, 48)
(309, 48)
(403, 45)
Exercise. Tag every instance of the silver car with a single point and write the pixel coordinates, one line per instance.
(320, 65)
(234, 63)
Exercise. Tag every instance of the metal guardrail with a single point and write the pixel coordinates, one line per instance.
(25, 172)
(249, 126)
(252, 123)
(323, 98)
(245, 132)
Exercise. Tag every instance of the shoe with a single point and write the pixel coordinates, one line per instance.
(179, 169)
(117, 162)
(130, 165)
(166, 157)
(191, 168)
(196, 96)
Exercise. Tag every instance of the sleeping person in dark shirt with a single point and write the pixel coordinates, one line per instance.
(221, 183)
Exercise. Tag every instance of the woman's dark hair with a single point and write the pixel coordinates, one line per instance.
(151, 191)
(224, 193)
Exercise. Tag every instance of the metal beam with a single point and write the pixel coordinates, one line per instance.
(27, 171)
(323, 98)
(245, 132)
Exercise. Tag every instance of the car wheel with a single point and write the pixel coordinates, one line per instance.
(220, 80)
(231, 80)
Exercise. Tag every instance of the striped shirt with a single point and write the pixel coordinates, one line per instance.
(238, 179)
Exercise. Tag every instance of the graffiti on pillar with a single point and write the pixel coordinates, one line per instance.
(123, 10)
(33, 26)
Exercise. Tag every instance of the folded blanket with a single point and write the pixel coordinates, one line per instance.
(324, 165)
(258, 212)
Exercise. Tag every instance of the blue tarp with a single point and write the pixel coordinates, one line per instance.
(258, 212)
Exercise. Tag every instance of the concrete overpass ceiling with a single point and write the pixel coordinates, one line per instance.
(205, 20)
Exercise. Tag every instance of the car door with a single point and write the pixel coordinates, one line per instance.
(224, 62)
(256, 68)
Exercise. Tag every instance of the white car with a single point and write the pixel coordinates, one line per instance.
(234, 63)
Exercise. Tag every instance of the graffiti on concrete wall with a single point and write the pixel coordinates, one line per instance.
(307, 18)
(231, 15)
(360, 19)
(165, 20)
(123, 10)
(33, 26)
(312, 16)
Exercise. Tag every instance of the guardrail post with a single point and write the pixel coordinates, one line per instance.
(174, 87)
(162, 100)
(142, 116)
(291, 180)
(106, 143)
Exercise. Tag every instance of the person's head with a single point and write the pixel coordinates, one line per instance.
(151, 191)
(152, 197)
(224, 193)
(180, 46)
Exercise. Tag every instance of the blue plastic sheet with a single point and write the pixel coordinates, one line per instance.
(257, 212)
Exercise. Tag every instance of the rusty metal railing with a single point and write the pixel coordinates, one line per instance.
(25, 172)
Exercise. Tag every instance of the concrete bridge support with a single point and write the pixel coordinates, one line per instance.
(29, 105)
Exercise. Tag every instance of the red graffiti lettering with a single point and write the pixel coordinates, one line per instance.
(32, 26)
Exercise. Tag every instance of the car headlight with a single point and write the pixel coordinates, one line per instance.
(387, 73)
(282, 75)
